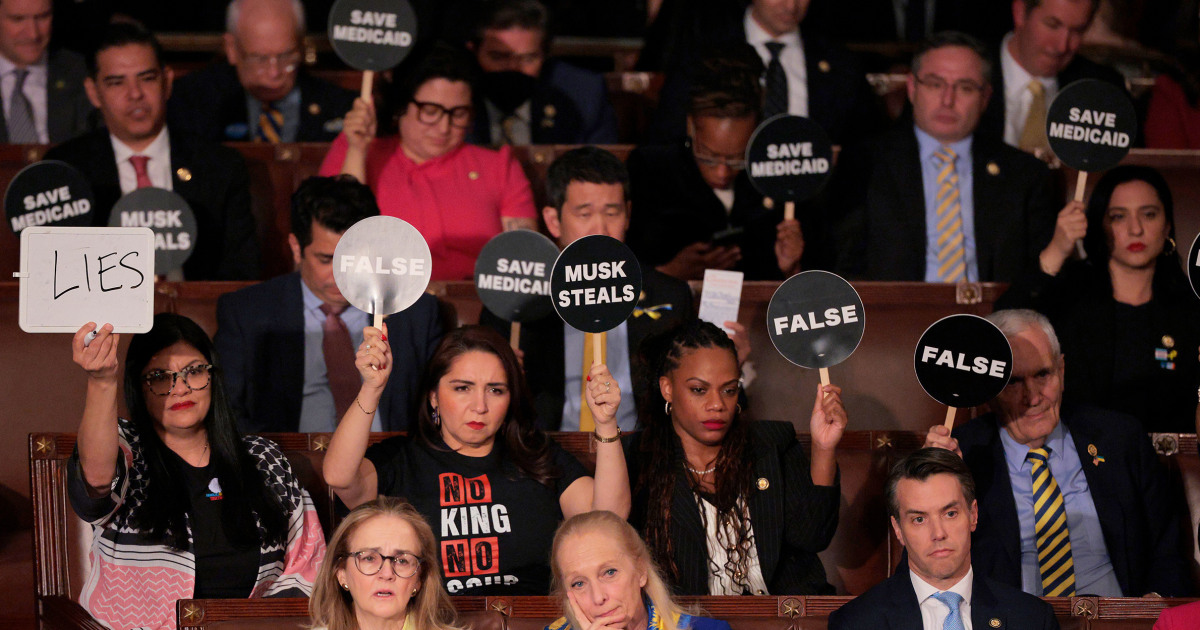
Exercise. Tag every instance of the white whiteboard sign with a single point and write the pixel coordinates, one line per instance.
(72, 275)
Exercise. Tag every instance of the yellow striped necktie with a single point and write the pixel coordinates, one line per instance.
(270, 124)
(951, 252)
(1050, 527)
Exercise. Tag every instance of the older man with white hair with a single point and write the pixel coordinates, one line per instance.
(262, 94)
(1072, 499)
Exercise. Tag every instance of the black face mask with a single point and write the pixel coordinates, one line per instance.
(507, 90)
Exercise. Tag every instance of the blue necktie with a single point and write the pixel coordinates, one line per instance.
(954, 620)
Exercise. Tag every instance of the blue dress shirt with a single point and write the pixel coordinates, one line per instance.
(317, 410)
(618, 364)
(1094, 573)
(930, 167)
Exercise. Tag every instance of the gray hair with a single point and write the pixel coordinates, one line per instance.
(235, 9)
(1013, 322)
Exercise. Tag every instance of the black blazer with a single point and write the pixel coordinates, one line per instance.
(211, 104)
(893, 605)
(674, 207)
(569, 105)
(211, 178)
(260, 338)
(992, 122)
(1140, 524)
(69, 113)
(793, 519)
(881, 235)
(542, 342)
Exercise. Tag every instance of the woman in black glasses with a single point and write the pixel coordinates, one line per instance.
(181, 505)
(457, 195)
(382, 573)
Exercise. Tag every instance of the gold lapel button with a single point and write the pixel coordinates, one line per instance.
(823, 65)
(763, 484)
(1168, 341)
(183, 174)
(60, 84)
(993, 168)
(1092, 450)
(473, 175)
(549, 111)
(314, 109)
(994, 622)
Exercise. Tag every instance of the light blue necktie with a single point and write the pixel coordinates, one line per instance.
(954, 620)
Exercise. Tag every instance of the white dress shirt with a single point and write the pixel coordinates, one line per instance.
(34, 90)
(159, 166)
(1017, 96)
(792, 58)
(933, 611)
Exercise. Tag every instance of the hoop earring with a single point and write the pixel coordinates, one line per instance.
(738, 409)
(667, 408)
(1171, 249)
(437, 420)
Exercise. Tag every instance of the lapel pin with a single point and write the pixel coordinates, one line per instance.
(1168, 341)
(314, 109)
(768, 203)
(183, 174)
(473, 175)
(823, 65)
(1097, 458)
(994, 622)
(549, 111)
(763, 484)
(60, 84)
(993, 168)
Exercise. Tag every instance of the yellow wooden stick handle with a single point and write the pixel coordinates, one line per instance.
(950, 411)
(789, 211)
(1080, 185)
(514, 338)
(368, 79)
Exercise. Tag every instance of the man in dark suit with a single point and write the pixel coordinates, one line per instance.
(587, 192)
(279, 340)
(1118, 534)
(807, 74)
(931, 501)
(262, 94)
(130, 87)
(527, 99)
(1036, 60)
(41, 91)
(931, 200)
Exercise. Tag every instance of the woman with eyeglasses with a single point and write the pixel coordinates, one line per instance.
(457, 195)
(181, 506)
(476, 464)
(382, 573)
(1127, 321)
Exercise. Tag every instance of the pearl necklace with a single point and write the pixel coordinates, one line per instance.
(699, 472)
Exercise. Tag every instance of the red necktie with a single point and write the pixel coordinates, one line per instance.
(344, 380)
(139, 168)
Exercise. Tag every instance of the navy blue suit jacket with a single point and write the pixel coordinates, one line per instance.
(1140, 525)
(69, 113)
(260, 338)
(569, 106)
(893, 605)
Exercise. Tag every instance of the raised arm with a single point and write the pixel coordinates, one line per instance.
(359, 127)
(349, 474)
(827, 424)
(609, 490)
(97, 438)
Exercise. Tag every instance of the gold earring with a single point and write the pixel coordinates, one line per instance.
(345, 586)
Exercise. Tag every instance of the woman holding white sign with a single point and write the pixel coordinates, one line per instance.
(1127, 320)
(207, 512)
(457, 195)
(475, 464)
(730, 506)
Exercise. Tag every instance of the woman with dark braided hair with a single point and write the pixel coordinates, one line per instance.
(730, 506)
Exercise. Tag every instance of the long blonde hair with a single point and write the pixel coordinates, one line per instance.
(332, 607)
(615, 527)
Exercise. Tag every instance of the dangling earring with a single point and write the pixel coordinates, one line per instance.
(667, 408)
(437, 420)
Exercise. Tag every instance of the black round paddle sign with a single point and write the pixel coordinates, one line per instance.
(789, 158)
(1091, 125)
(382, 265)
(512, 275)
(815, 319)
(1193, 266)
(963, 361)
(595, 283)
(50, 193)
(372, 34)
(167, 215)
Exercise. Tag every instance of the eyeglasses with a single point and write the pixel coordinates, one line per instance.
(432, 113)
(286, 61)
(195, 377)
(404, 564)
(964, 88)
(737, 164)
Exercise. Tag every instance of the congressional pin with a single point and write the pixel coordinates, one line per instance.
(183, 174)
(314, 109)
(994, 622)
(473, 175)
(823, 65)
(1168, 341)
(549, 111)
(768, 203)
(641, 297)
(763, 484)
(60, 84)
(993, 168)
(1092, 450)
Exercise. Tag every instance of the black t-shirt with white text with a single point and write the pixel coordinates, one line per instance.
(494, 526)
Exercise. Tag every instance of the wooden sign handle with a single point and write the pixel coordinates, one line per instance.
(378, 322)
(598, 340)
(367, 87)
(514, 337)
(950, 412)
(1080, 185)
(824, 376)
(789, 211)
